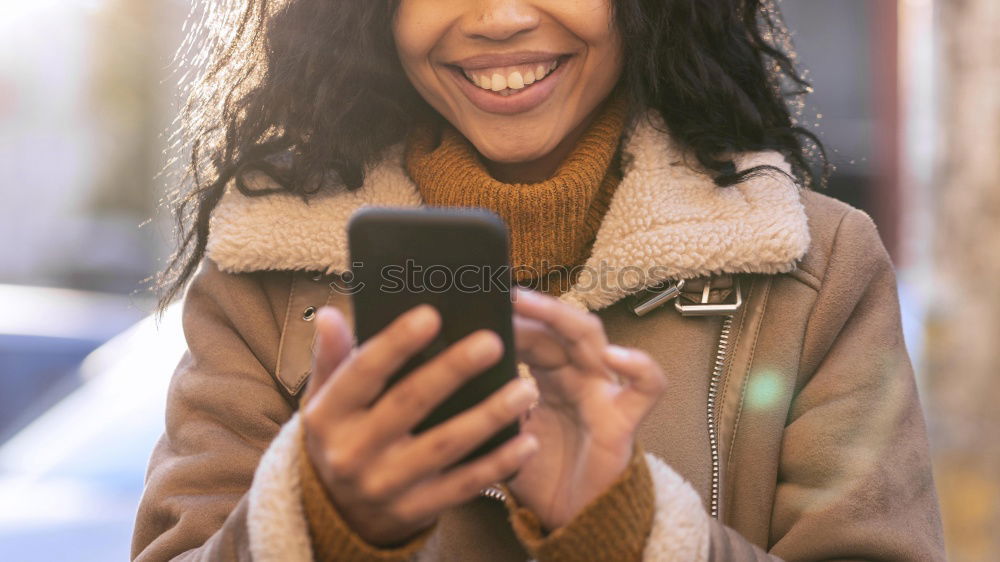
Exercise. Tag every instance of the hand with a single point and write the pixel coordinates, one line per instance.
(593, 397)
(386, 483)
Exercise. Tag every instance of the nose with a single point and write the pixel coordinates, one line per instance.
(499, 20)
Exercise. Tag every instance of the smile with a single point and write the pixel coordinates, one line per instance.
(510, 79)
(506, 85)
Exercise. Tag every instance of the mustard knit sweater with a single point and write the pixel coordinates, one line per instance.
(552, 227)
(552, 223)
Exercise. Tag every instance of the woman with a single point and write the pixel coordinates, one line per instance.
(642, 154)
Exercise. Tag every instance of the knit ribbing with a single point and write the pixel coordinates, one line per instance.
(332, 539)
(552, 223)
(613, 526)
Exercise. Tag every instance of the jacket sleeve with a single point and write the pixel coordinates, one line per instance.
(225, 480)
(223, 410)
(854, 476)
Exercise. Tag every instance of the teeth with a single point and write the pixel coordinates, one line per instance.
(499, 83)
(508, 80)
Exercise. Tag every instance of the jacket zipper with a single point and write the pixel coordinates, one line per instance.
(494, 493)
(713, 388)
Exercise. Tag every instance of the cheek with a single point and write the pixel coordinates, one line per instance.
(593, 23)
(609, 62)
(415, 30)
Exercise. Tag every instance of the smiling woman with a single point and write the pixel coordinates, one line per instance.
(308, 80)
(521, 82)
(645, 150)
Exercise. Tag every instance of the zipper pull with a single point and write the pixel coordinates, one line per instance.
(659, 298)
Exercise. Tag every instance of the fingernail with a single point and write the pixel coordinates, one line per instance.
(522, 292)
(522, 395)
(528, 445)
(327, 313)
(484, 345)
(618, 353)
(421, 317)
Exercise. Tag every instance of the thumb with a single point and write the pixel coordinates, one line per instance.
(332, 343)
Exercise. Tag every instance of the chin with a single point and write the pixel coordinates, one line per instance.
(513, 150)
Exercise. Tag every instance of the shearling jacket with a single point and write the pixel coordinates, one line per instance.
(791, 427)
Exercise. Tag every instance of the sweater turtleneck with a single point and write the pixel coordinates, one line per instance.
(552, 223)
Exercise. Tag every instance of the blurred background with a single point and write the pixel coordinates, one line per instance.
(907, 100)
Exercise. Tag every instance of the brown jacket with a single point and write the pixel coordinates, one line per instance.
(791, 427)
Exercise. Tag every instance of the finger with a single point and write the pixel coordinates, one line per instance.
(438, 448)
(331, 346)
(412, 399)
(643, 375)
(360, 378)
(465, 481)
(583, 331)
(537, 345)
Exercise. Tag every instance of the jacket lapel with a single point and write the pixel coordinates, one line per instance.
(665, 221)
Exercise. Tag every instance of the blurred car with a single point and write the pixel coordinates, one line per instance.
(70, 480)
(44, 334)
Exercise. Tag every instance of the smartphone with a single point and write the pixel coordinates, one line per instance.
(455, 259)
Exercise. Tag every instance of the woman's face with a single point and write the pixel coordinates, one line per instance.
(516, 77)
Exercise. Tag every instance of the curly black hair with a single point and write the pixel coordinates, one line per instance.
(311, 77)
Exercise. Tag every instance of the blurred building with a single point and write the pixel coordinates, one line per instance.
(964, 328)
(85, 97)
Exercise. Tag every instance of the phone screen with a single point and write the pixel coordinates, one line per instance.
(451, 258)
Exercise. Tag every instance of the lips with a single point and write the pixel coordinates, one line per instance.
(506, 59)
(511, 83)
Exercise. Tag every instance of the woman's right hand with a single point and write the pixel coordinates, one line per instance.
(386, 483)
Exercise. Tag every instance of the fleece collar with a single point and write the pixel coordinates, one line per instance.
(665, 221)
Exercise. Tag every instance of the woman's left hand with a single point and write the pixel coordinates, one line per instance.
(593, 397)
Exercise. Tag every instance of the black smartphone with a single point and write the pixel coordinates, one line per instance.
(455, 259)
